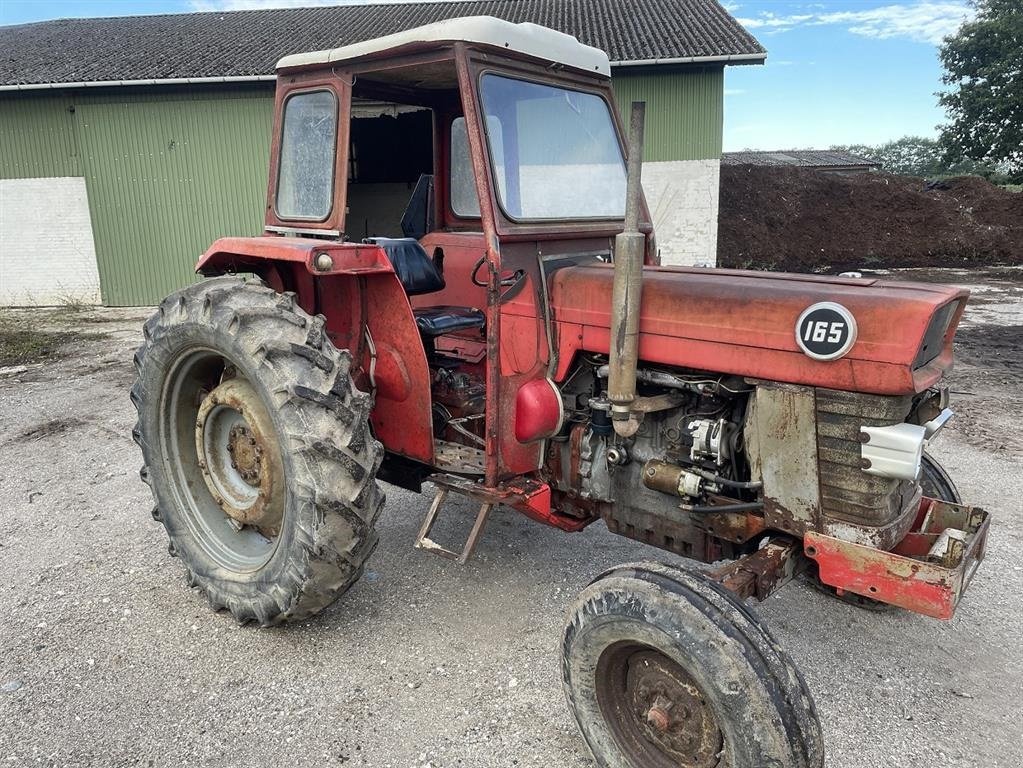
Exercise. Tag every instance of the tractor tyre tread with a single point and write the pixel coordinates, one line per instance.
(332, 497)
(790, 736)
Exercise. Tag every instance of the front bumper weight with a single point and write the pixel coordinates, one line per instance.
(927, 572)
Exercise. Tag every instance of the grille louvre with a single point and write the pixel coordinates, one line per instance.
(847, 492)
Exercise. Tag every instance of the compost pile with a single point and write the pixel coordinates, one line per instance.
(801, 220)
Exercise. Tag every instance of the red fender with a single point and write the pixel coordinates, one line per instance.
(357, 291)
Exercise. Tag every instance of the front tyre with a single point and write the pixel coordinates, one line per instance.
(936, 482)
(663, 668)
(257, 449)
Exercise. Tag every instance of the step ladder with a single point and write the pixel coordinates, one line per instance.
(423, 540)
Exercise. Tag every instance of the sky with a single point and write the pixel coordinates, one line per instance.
(837, 72)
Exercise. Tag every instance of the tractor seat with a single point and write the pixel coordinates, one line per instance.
(437, 321)
(415, 270)
(418, 274)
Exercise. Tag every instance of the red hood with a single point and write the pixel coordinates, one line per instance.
(744, 323)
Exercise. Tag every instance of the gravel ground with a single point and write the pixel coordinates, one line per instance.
(108, 659)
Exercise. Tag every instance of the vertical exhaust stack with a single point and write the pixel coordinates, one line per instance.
(628, 289)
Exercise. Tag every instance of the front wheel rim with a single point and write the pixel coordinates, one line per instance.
(656, 712)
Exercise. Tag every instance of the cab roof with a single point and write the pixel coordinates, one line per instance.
(525, 38)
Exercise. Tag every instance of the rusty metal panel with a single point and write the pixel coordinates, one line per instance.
(927, 573)
(781, 439)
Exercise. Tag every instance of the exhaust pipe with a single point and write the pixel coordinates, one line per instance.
(628, 289)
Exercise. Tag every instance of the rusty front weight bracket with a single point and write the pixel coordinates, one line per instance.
(763, 572)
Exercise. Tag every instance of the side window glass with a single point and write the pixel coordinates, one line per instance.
(305, 180)
(464, 200)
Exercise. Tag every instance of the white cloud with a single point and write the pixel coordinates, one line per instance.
(734, 91)
(923, 21)
(768, 20)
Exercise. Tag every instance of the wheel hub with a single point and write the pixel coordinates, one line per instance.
(662, 717)
(673, 713)
(239, 457)
(246, 454)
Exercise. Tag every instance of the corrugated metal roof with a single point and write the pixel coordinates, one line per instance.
(800, 158)
(248, 43)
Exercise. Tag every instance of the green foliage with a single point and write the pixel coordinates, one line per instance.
(984, 68)
(919, 156)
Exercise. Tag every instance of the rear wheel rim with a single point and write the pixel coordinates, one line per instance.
(206, 410)
(656, 712)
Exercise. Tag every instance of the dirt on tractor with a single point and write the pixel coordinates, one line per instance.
(799, 220)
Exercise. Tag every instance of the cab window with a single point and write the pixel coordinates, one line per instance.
(305, 181)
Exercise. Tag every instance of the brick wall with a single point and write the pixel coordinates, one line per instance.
(47, 254)
(683, 200)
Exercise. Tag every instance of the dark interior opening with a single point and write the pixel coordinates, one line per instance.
(388, 154)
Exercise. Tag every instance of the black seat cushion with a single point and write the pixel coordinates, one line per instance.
(436, 321)
(416, 271)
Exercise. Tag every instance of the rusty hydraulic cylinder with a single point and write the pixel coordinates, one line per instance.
(627, 291)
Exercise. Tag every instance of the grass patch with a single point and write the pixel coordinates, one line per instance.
(22, 342)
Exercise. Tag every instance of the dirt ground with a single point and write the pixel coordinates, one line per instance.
(802, 220)
(107, 658)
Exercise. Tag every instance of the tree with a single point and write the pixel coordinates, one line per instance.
(908, 156)
(984, 68)
(920, 156)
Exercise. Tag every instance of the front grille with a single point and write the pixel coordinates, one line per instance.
(847, 492)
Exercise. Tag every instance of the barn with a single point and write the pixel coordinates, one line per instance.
(128, 144)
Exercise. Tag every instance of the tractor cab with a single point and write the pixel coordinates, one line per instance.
(467, 154)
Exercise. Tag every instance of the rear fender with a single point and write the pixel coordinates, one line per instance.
(367, 312)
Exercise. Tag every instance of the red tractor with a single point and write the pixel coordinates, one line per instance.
(508, 334)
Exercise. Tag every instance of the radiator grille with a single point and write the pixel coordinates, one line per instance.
(847, 492)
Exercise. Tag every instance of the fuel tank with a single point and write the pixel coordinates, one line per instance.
(745, 323)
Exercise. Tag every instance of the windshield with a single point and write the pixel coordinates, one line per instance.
(555, 151)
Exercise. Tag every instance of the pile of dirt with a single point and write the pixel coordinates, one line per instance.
(801, 220)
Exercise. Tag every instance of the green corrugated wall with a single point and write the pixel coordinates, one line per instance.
(169, 170)
(167, 177)
(37, 138)
(684, 110)
(166, 174)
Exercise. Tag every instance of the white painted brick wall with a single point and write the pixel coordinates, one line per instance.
(683, 199)
(47, 253)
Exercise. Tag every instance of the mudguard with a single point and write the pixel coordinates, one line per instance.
(367, 313)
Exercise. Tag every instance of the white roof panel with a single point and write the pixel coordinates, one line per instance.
(529, 39)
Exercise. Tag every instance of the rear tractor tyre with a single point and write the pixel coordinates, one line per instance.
(664, 668)
(257, 448)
